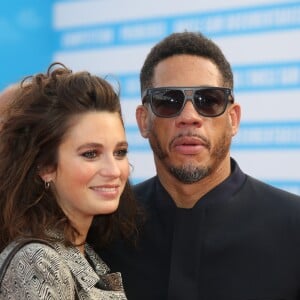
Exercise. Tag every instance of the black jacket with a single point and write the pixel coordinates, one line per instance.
(241, 241)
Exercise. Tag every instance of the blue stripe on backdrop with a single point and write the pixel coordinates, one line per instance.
(252, 136)
(216, 23)
(281, 135)
(248, 78)
(264, 77)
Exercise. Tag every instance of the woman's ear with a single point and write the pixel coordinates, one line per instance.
(143, 120)
(47, 174)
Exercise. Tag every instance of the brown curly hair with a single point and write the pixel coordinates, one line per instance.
(31, 134)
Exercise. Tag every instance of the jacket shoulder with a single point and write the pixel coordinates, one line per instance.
(264, 193)
(258, 185)
(27, 252)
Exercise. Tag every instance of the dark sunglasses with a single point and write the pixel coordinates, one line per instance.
(168, 102)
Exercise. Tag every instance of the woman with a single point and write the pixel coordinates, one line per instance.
(63, 169)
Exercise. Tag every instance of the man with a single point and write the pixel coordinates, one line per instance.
(211, 231)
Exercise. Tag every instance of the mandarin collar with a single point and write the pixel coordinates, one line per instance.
(222, 191)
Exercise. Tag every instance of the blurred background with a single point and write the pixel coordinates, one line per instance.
(112, 38)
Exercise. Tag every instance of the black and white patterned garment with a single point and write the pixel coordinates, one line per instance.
(38, 271)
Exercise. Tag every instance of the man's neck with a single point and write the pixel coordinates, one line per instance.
(187, 195)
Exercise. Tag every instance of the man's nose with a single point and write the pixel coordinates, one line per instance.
(189, 115)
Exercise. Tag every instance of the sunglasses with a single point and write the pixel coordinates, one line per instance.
(168, 102)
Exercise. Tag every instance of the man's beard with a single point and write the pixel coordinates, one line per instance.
(189, 173)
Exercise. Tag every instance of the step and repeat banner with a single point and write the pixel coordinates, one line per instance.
(26, 38)
(259, 37)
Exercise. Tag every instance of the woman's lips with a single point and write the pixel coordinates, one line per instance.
(107, 191)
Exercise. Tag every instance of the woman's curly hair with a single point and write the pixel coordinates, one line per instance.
(33, 129)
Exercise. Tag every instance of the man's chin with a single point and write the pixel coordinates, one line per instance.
(189, 174)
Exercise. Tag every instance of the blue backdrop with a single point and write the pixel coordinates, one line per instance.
(259, 37)
(26, 38)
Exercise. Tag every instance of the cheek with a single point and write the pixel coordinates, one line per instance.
(224, 130)
(163, 130)
(76, 174)
(125, 169)
(85, 173)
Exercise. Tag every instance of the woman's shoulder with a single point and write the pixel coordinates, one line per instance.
(35, 268)
(29, 255)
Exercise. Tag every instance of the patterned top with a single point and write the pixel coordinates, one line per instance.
(38, 271)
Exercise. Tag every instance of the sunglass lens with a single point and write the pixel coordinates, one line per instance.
(167, 103)
(210, 102)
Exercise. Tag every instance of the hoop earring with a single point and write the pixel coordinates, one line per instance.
(47, 185)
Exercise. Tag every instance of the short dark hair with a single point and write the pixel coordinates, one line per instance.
(191, 43)
(32, 132)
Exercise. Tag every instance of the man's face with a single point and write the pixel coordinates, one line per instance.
(188, 146)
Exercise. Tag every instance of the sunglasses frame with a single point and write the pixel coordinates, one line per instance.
(147, 97)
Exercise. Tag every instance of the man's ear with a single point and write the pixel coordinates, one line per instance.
(143, 120)
(235, 117)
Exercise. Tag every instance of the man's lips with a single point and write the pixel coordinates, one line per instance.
(189, 145)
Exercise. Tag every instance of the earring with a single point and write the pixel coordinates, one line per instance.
(47, 185)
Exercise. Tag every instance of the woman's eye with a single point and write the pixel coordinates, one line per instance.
(90, 154)
(121, 153)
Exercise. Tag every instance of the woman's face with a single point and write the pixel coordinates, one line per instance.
(92, 167)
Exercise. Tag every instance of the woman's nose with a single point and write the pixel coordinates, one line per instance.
(109, 167)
